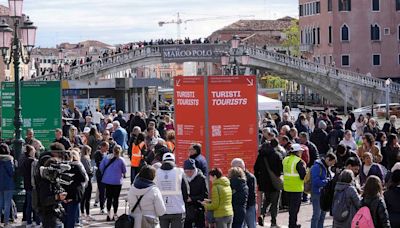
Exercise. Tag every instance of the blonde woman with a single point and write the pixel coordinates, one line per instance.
(74, 137)
(169, 123)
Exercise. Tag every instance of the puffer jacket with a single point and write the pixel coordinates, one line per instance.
(378, 211)
(221, 198)
(352, 200)
(151, 205)
(7, 172)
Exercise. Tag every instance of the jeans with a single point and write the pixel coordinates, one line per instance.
(271, 199)
(318, 217)
(29, 210)
(5, 203)
(71, 209)
(175, 220)
(250, 218)
(294, 207)
(224, 222)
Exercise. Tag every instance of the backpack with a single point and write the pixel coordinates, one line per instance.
(307, 182)
(326, 198)
(340, 207)
(362, 219)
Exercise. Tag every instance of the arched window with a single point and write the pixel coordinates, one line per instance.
(375, 32)
(345, 33)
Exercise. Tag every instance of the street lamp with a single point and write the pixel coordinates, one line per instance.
(15, 49)
(234, 52)
(387, 87)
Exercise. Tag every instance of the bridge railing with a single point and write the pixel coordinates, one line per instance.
(322, 69)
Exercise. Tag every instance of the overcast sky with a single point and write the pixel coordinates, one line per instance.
(120, 21)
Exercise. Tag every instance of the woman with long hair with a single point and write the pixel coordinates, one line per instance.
(392, 151)
(368, 145)
(94, 139)
(359, 127)
(369, 168)
(74, 137)
(373, 199)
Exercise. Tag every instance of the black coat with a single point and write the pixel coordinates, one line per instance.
(313, 152)
(240, 192)
(392, 198)
(274, 159)
(379, 213)
(198, 192)
(320, 138)
(65, 142)
(251, 184)
(75, 189)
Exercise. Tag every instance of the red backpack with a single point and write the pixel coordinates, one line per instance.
(362, 219)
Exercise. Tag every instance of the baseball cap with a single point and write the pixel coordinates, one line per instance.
(86, 130)
(168, 157)
(296, 147)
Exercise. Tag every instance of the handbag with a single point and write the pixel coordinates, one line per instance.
(277, 182)
(127, 221)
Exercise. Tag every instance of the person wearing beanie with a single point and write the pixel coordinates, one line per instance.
(174, 189)
(198, 192)
(201, 162)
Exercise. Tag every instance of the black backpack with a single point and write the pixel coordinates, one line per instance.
(326, 198)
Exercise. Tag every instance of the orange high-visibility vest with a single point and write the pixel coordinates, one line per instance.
(136, 155)
(171, 146)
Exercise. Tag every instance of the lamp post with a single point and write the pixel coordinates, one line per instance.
(60, 66)
(16, 45)
(234, 64)
(387, 87)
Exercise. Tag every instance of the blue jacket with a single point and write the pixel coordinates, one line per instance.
(7, 172)
(319, 177)
(121, 137)
(201, 163)
(114, 173)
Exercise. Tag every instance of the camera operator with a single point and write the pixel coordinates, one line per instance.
(51, 195)
(74, 188)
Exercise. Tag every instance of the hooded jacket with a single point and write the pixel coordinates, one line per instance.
(201, 163)
(319, 176)
(152, 203)
(221, 198)
(198, 192)
(7, 171)
(352, 201)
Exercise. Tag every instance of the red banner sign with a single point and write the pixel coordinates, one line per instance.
(190, 121)
(232, 108)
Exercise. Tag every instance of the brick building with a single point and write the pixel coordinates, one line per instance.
(361, 36)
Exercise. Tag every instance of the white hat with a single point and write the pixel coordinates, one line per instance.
(296, 147)
(168, 157)
(109, 126)
(86, 130)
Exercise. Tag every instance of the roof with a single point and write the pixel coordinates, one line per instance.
(4, 11)
(45, 51)
(260, 25)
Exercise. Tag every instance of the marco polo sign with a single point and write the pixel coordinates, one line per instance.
(193, 53)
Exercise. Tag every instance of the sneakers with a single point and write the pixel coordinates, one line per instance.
(115, 217)
(102, 212)
(275, 226)
(260, 221)
(95, 204)
(108, 218)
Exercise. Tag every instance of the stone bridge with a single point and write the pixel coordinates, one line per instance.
(337, 85)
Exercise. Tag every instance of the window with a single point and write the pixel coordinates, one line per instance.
(375, 32)
(330, 5)
(397, 5)
(398, 60)
(301, 10)
(345, 33)
(318, 7)
(398, 33)
(324, 60)
(386, 31)
(318, 35)
(375, 5)
(376, 60)
(345, 60)
(330, 34)
(344, 5)
(301, 37)
(314, 35)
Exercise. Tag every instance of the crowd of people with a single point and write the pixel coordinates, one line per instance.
(347, 169)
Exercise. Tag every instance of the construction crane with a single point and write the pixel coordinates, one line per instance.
(179, 21)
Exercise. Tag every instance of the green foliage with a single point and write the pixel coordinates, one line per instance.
(292, 41)
(273, 82)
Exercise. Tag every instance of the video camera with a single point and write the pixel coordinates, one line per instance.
(55, 173)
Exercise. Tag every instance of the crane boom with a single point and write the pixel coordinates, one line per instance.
(179, 21)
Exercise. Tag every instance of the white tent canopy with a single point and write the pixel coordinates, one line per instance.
(269, 104)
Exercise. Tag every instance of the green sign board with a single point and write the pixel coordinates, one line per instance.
(41, 109)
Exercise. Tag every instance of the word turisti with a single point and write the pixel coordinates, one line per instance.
(186, 98)
(227, 98)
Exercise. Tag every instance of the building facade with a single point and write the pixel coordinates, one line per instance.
(361, 36)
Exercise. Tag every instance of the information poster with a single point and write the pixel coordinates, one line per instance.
(232, 115)
(189, 115)
(41, 109)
